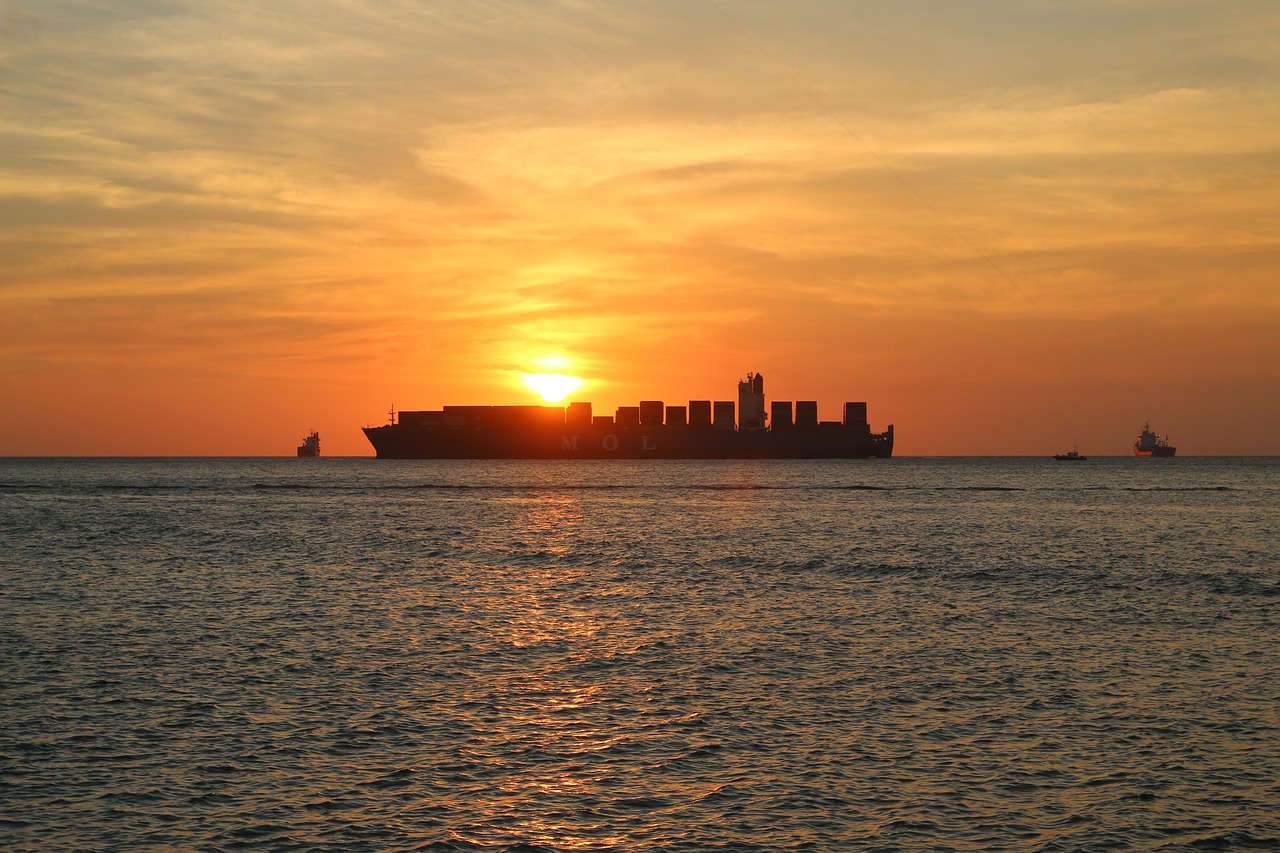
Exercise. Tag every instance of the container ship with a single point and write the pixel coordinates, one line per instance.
(704, 429)
(1150, 444)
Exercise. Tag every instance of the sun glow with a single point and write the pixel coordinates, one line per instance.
(552, 387)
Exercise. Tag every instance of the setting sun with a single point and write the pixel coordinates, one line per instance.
(552, 387)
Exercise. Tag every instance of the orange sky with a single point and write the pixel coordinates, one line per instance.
(1011, 228)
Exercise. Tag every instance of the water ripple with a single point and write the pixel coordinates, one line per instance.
(247, 654)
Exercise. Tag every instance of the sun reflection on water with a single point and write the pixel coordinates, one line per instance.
(550, 737)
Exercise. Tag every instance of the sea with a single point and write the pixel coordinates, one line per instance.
(352, 654)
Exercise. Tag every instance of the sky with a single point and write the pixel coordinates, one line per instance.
(1011, 227)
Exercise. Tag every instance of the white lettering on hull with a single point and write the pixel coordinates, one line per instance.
(610, 443)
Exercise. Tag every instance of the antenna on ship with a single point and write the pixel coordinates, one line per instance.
(392, 413)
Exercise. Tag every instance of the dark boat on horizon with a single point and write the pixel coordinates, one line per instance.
(1071, 456)
(704, 429)
(1150, 444)
(310, 447)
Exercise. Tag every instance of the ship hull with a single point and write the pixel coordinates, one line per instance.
(396, 441)
(1157, 452)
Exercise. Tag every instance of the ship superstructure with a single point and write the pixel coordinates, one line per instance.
(751, 402)
(704, 429)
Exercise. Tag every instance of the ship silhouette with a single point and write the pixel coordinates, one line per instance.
(704, 429)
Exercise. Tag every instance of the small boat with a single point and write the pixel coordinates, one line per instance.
(310, 446)
(1070, 456)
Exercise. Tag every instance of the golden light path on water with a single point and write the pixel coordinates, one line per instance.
(550, 711)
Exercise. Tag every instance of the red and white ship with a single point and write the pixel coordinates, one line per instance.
(1150, 444)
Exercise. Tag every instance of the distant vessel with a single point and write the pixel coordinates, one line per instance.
(702, 430)
(310, 446)
(1070, 456)
(1150, 444)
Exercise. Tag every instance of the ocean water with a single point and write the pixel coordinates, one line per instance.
(906, 654)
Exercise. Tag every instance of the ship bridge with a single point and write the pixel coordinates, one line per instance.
(751, 402)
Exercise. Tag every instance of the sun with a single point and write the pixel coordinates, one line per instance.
(552, 387)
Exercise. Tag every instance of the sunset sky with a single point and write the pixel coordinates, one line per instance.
(1010, 227)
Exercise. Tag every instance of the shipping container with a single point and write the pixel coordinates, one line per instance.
(471, 417)
(579, 415)
(651, 412)
(677, 417)
(722, 415)
(526, 417)
(551, 416)
(699, 414)
(855, 414)
(627, 416)
(421, 420)
(780, 415)
(806, 413)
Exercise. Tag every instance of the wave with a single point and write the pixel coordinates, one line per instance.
(1175, 489)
